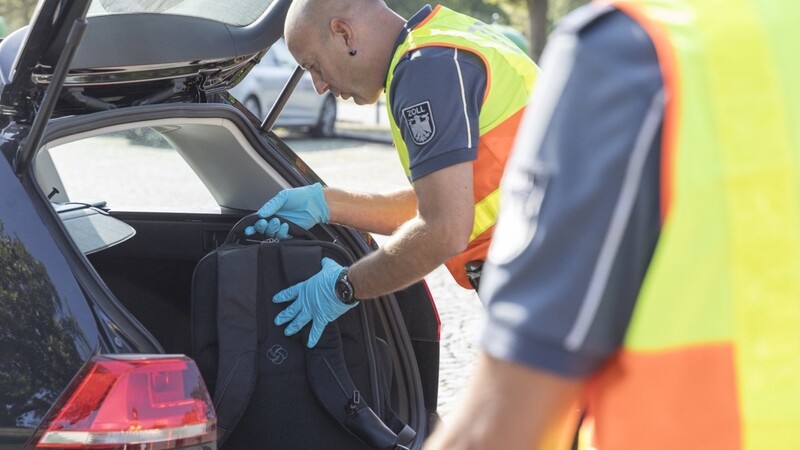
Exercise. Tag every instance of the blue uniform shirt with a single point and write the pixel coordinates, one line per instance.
(447, 85)
(579, 216)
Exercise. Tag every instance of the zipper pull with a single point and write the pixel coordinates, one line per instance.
(270, 240)
(352, 403)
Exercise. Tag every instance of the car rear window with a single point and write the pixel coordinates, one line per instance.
(232, 12)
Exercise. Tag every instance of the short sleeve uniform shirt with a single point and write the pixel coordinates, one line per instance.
(579, 216)
(436, 97)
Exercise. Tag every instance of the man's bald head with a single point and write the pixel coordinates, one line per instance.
(346, 45)
(315, 15)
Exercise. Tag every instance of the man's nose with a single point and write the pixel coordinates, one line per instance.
(320, 86)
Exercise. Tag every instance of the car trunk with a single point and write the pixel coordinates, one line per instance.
(150, 274)
(144, 90)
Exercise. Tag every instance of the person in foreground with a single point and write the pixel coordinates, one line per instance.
(645, 270)
(455, 93)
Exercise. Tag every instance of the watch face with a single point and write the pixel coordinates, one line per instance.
(343, 289)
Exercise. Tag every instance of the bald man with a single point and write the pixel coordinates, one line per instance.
(456, 89)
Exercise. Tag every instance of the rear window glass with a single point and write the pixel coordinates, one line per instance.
(131, 170)
(232, 12)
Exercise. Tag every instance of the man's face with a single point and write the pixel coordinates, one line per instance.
(332, 68)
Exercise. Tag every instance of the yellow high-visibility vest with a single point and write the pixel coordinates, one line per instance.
(711, 358)
(510, 77)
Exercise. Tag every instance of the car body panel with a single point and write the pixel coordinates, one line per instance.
(25, 49)
(129, 50)
(132, 294)
(41, 303)
(150, 273)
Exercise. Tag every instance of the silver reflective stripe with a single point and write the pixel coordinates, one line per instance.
(616, 229)
(463, 98)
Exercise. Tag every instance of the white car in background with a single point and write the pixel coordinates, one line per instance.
(305, 108)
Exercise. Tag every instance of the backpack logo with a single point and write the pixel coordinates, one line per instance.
(419, 119)
(277, 354)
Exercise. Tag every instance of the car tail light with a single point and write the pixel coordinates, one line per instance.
(121, 401)
(435, 311)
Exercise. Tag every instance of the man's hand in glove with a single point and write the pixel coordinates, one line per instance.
(304, 206)
(315, 301)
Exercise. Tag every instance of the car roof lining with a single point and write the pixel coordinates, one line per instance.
(236, 179)
(136, 39)
(136, 47)
(239, 12)
(153, 39)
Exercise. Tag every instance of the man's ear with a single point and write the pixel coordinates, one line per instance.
(342, 29)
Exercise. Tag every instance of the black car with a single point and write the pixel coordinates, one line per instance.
(124, 162)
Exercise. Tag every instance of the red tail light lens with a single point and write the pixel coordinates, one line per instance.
(435, 311)
(151, 401)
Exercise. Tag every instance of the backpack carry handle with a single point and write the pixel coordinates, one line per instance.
(236, 234)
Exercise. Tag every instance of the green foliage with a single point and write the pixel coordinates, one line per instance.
(517, 14)
(16, 13)
(37, 342)
(560, 8)
(480, 9)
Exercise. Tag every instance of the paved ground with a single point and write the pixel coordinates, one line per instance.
(374, 167)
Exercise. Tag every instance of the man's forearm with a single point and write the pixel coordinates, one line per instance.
(438, 230)
(510, 406)
(415, 250)
(374, 213)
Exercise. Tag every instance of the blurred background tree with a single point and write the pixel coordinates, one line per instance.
(481, 9)
(534, 19)
(14, 14)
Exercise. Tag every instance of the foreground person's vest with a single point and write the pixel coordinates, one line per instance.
(510, 76)
(711, 359)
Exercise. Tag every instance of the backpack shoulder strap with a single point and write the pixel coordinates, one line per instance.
(334, 388)
(237, 332)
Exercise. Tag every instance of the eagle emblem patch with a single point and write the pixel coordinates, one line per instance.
(419, 119)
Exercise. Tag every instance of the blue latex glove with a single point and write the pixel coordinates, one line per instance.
(304, 206)
(315, 301)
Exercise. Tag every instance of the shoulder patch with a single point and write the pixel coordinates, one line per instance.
(419, 119)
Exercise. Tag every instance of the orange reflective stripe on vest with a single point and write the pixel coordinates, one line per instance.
(510, 79)
(711, 358)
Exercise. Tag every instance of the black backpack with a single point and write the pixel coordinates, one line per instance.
(269, 390)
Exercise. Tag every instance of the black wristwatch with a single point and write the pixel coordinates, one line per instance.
(344, 290)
